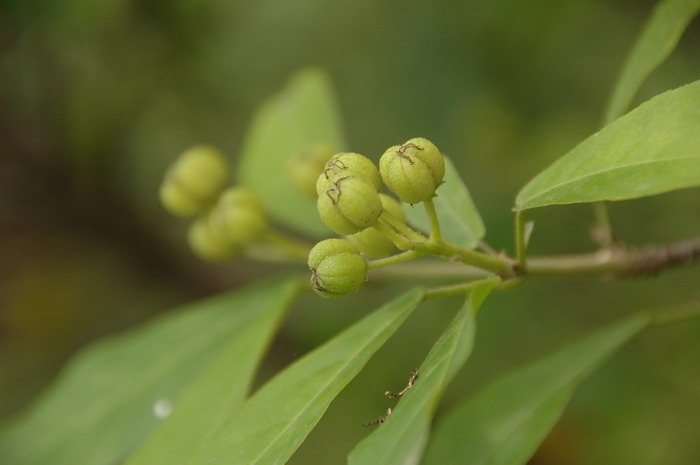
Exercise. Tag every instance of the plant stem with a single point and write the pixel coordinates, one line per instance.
(393, 259)
(463, 288)
(677, 314)
(499, 265)
(401, 227)
(435, 234)
(385, 228)
(430, 269)
(600, 262)
(618, 261)
(602, 232)
(291, 246)
(520, 244)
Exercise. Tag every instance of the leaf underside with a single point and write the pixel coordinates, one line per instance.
(274, 422)
(505, 422)
(220, 389)
(102, 406)
(303, 114)
(402, 438)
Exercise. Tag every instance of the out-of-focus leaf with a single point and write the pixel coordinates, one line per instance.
(220, 389)
(274, 422)
(460, 221)
(106, 401)
(656, 42)
(303, 114)
(653, 149)
(505, 422)
(401, 439)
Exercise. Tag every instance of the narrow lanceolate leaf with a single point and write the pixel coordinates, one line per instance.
(108, 399)
(505, 423)
(656, 42)
(219, 391)
(401, 439)
(273, 423)
(460, 221)
(302, 115)
(653, 149)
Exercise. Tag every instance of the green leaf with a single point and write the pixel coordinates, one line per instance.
(274, 422)
(658, 39)
(220, 389)
(102, 406)
(505, 423)
(302, 114)
(460, 221)
(653, 149)
(401, 439)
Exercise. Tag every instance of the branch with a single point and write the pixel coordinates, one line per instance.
(619, 261)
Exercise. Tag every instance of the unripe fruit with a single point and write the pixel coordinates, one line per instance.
(194, 181)
(307, 166)
(414, 170)
(346, 164)
(337, 268)
(239, 216)
(349, 206)
(372, 243)
(208, 242)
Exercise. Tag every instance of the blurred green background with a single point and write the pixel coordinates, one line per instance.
(96, 98)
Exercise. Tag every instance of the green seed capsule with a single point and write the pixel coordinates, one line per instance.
(194, 181)
(239, 216)
(209, 243)
(349, 206)
(337, 268)
(414, 170)
(372, 243)
(346, 164)
(307, 166)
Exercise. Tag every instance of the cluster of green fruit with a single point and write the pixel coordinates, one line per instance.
(349, 203)
(226, 220)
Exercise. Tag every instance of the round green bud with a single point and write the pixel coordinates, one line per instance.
(208, 242)
(239, 216)
(346, 164)
(194, 181)
(414, 170)
(372, 243)
(349, 205)
(307, 166)
(337, 268)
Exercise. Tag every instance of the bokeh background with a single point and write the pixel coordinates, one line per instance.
(96, 98)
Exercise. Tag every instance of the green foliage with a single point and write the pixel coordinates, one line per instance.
(402, 438)
(200, 361)
(505, 423)
(219, 390)
(651, 150)
(273, 423)
(459, 219)
(102, 407)
(300, 117)
(655, 44)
